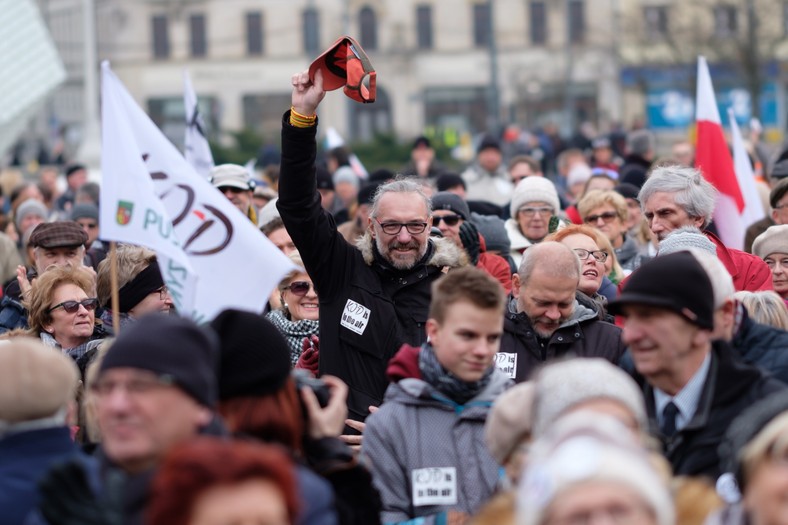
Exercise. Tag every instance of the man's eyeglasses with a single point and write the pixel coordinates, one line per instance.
(163, 291)
(530, 212)
(300, 288)
(450, 220)
(608, 216)
(583, 255)
(393, 228)
(89, 225)
(72, 306)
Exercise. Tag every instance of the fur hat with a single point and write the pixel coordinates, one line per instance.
(565, 384)
(255, 357)
(534, 189)
(773, 240)
(584, 448)
(509, 420)
(172, 346)
(37, 381)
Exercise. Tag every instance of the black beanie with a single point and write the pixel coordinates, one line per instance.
(254, 357)
(169, 345)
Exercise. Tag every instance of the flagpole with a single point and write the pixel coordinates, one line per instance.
(113, 280)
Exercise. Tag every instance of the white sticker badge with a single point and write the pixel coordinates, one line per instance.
(507, 363)
(434, 486)
(355, 317)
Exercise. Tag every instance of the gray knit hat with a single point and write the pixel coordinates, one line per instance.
(30, 207)
(773, 240)
(565, 384)
(534, 189)
(684, 238)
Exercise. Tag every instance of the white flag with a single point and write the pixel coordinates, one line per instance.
(753, 207)
(195, 145)
(151, 196)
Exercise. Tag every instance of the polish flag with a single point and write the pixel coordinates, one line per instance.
(714, 160)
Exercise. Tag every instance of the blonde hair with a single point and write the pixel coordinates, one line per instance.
(295, 258)
(765, 307)
(596, 198)
(43, 290)
(131, 259)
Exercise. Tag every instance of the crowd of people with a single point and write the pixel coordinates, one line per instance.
(511, 344)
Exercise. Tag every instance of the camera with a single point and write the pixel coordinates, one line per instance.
(303, 378)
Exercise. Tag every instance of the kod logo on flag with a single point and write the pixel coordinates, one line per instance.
(124, 212)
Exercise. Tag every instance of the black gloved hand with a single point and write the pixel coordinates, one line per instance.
(469, 235)
(67, 498)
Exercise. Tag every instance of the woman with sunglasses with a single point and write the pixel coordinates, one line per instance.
(299, 316)
(61, 311)
(607, 212)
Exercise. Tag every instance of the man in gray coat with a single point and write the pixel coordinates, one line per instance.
(425, 444)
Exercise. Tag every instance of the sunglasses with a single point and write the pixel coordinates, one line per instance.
(450, 220)
(300, 288)
(70, 307)
(607, 217)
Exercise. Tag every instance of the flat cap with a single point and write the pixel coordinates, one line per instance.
(57, 234)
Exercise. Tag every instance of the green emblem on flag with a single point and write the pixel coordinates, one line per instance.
(123, 216)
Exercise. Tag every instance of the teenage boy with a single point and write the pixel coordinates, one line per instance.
(425, 444)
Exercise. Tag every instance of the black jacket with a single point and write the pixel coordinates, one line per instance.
(731, 386)
(584, 335)
(368, 309)
(763, 346)
(634, 170)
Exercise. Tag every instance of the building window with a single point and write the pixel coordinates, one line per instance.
(311, 25)
(161, 37)
(725, 21)
(199, 44)
(369, 28)
(263, 113)
(538, 20)
(656, 17)
(481, 25)
(424, 26)
(577, 21)
(254, 33)
(169, 114)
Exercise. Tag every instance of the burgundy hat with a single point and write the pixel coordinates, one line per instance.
(57, 234)
(346, 64)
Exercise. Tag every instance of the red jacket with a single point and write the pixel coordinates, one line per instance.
(495, 265)
(749, 272)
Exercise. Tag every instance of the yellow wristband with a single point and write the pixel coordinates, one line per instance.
(301, 121)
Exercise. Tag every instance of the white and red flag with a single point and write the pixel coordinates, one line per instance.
(713, 159)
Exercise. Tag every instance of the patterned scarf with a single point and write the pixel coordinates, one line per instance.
(445, 382)
(294, 332)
